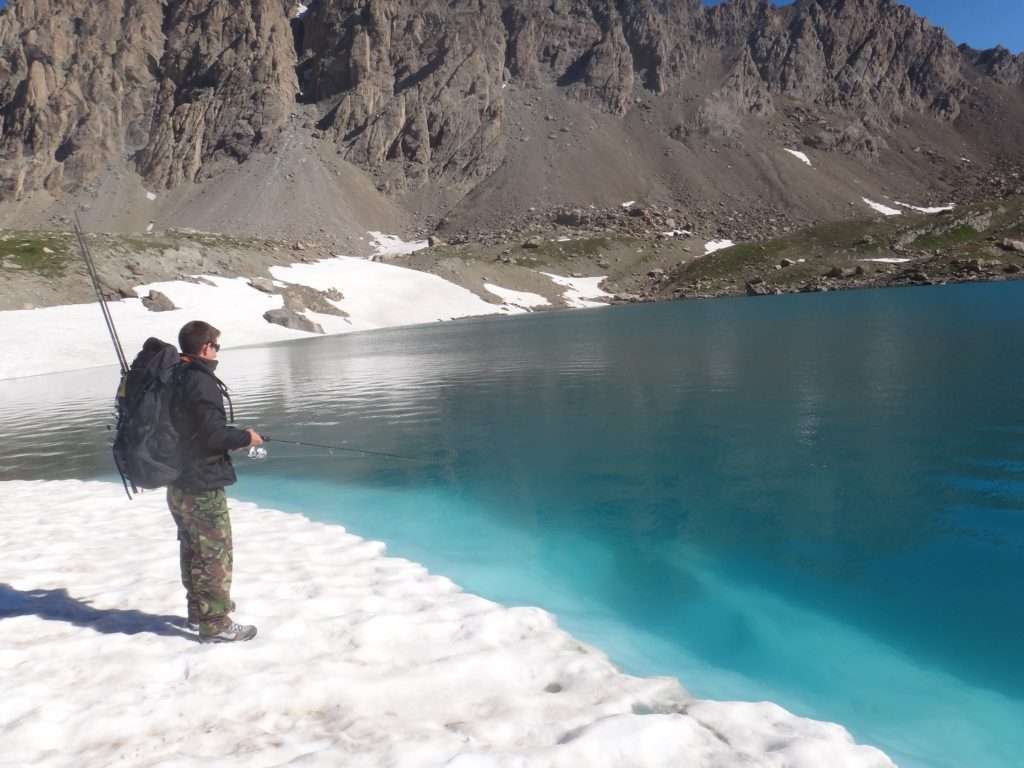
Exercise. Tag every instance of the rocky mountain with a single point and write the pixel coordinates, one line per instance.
(466, 112)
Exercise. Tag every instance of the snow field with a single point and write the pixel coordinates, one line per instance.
(361, 660)
(375, 295)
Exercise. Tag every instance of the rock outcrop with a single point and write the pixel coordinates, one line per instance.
(413, 92)
(169, 87)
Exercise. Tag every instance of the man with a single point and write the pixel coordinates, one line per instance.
(196, 499)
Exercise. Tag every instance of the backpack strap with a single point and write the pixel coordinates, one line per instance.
(192, 365)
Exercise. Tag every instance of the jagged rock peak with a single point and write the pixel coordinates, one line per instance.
(414, 91)
(171, 87)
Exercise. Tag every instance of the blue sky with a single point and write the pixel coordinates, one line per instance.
(979, 23)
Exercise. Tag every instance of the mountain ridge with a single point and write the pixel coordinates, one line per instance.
(441, 107)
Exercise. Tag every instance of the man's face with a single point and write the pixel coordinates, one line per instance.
(210, 350)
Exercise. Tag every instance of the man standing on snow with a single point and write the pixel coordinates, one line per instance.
(196, 499)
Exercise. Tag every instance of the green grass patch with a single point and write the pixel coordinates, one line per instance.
(553, 252)
(732, 262)
(45, 255)
(965, 233)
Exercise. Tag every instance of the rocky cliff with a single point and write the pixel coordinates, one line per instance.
(417, 94)
(171, 87)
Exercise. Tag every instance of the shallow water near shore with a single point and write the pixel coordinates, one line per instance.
(817, 500)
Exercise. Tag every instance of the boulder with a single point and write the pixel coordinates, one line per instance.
(757, 287)
(840, 272)
(158, 302)
(293, 320)
(263, 284)
(574, 218)
(1013, 245)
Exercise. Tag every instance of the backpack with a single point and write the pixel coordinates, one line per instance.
(146, 448)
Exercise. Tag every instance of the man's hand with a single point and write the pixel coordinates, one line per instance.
(254, 438)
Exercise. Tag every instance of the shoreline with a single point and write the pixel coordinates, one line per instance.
(410, 669)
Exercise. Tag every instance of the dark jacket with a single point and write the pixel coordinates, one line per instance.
(205, 436)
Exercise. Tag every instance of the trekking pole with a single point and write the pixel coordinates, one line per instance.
(107, 318)
(267, 439)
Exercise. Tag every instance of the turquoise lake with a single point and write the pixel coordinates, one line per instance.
(816, 500)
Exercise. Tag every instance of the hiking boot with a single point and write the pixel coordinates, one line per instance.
(232, 633)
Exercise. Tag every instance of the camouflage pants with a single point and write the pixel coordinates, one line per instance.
(204, 537)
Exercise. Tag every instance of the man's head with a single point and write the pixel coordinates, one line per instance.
(199, 339)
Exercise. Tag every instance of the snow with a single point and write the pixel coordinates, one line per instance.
(392, 245)
(884, 209)
(300, 10)
(717, 245)
(375, 296)
(801, 156)
(384, 295)
(677, 233)
(628, 203)
(362, 659)
(888, 260)
(522, 299)
(580, 290)
(151, 196)
(934, 209)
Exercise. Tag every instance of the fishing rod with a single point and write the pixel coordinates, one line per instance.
(107, 318)
(267, 439)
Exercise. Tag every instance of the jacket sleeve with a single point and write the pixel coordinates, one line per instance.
(210, 419)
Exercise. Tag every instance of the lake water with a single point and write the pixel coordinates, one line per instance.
(817, 500)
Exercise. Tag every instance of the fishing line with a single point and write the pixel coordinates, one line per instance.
(339, 448)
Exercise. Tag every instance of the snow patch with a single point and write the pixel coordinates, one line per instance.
(801, 156)
(883, 209)
(300, 10)
(383, 295)
(151, 196)
(628, 203)
(523, 299)
(392, 245)
(409, 669)
(888, 260)
(935, 209)
(580, 290)
(677, 233)
(375, 296)
(717, 245)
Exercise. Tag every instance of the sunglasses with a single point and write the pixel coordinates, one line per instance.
(213, 344)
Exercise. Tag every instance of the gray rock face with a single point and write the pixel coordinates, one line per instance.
(174, 85)
(414, 91)
(411, 91)
(293, 320)
(998, 63)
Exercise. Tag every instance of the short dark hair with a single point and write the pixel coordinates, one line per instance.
(195, 335)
